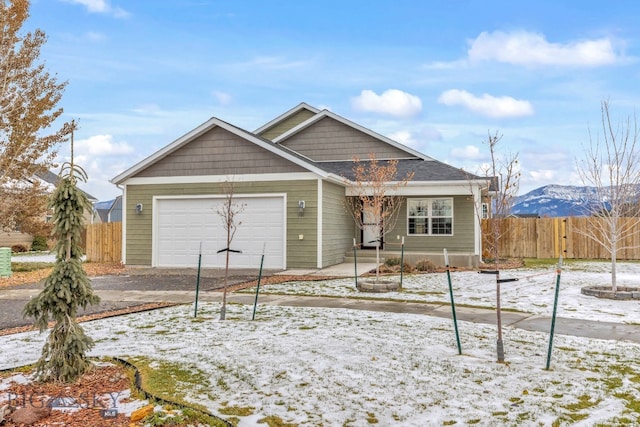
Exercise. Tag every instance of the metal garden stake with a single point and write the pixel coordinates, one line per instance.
(255, 304)
(555, 308)
(401, 260)
(355, 261)
(195, 311)
(453, 304)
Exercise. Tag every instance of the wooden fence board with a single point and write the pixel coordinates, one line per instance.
(104, 242)
(552, 237)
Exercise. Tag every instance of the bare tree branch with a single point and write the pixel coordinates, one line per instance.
(611, 166)
(374, 190)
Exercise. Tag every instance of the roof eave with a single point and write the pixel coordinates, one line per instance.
(284, 116)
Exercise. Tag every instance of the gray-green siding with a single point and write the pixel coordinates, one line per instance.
(462, 240)
(337, 225)
(219, 152)
(300, 253)
(287, 124)
(328, 139)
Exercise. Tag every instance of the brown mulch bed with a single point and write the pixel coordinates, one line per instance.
(93, 269)
(92, 392)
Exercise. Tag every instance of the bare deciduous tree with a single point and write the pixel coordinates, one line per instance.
(611, 165)
(28, 108)
(502, 172)
(373, 193)
(229, 212)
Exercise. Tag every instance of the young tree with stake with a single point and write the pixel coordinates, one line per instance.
(229, 212)
(503, 176)
(374, 193)
(611, 165)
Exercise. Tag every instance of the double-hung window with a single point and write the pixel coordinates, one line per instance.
(431, 217)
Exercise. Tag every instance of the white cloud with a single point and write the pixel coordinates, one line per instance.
(532, 49)
(403, 137)
(222, 97)
(95, 36)
(148, 109)
(393, 102)
(468, 152)
(102, 145)
(101, 6)
(276, 63)
(542, 175)
(443, 65)
(487, 105)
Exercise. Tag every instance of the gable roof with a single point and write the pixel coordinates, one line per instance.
(105, 208)
(282, 117)
(51, 178)
(326, 113)
(425, 168)
(205, 127)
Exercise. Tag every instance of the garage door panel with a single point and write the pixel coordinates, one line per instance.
(182, 223)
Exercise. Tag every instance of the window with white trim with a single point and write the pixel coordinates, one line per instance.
(430, 217)
(485, 211)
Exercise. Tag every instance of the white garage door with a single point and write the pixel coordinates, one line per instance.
(181, 224)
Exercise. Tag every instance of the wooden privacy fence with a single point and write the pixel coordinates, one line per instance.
(552, 237)
(104, 242)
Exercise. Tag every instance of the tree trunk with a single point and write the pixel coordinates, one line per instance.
(377, 262)
(614, 250)
(223, 310)
(499, 344)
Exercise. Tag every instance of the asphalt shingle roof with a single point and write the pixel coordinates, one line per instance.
(424, 170)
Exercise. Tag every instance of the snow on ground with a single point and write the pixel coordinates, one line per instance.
(337, 367)
(533, 292)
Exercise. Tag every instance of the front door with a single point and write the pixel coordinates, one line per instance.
(370, 230)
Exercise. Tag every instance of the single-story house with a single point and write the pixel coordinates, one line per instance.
(290, 176)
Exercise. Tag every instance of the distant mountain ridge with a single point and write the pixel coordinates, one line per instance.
(554, 201)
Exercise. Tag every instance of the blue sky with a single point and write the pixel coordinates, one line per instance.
(435, 75)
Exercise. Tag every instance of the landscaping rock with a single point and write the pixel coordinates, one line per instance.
(378, 286)
(29, 415)
(622, 293)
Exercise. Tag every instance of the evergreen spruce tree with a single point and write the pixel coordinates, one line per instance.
(67, 288)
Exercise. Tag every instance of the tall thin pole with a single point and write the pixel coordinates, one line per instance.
(555, 309)
(453, 304)
(499, 342)
(195, 311)
(402, 261)
(355, 261)
(255, 303)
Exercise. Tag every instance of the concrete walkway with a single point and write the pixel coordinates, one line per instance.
(169, 286)
(530, 322)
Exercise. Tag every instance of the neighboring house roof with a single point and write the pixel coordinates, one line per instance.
(51, 178)
(110, 210)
